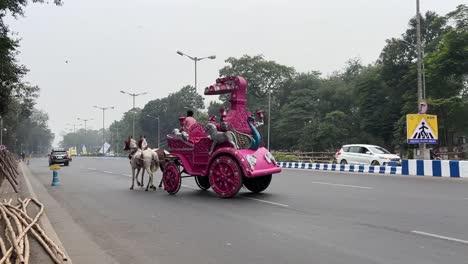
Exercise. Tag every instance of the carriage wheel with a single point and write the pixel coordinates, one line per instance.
(171, 178)
(225, 176)
(257, 184)
(203, 182)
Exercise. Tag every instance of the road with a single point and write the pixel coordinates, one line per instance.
(304, 217)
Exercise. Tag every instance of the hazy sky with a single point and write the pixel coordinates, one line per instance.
(114, 45)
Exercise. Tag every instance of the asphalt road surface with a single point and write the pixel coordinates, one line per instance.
(303, 217)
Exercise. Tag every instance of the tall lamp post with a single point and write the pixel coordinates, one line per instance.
(103, 127)
(1, 130)
(422, 65)
(85, 120)
(422, 146)
(157, 118)
(133, 95)
(196, 59)
(269, 118)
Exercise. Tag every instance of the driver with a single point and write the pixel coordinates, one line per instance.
(189, 121)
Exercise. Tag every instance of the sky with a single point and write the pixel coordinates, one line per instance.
(85, 52)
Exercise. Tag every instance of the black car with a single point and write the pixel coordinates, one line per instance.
(59, 156)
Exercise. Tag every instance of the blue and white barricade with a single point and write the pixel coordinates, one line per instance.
(436, 168)
(342, 167)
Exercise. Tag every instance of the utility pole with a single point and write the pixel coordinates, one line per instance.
(1, 130)
(196, 59)
(103, 125)
(422, 146)
(133, 109)
(85, 120)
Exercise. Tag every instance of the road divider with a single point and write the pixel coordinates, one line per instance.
(435, 168)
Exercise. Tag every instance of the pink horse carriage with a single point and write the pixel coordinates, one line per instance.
(222, 155)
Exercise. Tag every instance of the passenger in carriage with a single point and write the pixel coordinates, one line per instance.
(142, 143)
(189, 121)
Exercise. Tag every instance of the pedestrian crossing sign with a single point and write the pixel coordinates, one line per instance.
(421, 128)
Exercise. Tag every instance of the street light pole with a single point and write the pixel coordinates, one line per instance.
(196, 59)
(1, 130)
(269, 118)
(157, 118)
(422, 63)
(133, 95)
(85, 120)
(103, 125)
(422, 146)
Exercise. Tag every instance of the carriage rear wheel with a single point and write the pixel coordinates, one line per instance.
(257, 184)
(225, 176)
(171, 178)
(203, 182)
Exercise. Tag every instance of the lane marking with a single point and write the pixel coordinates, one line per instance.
(343, 185)
(108, 172)
(128, 175)
(440, 237)
(264, 201)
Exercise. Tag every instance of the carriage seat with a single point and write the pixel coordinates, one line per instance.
(196, 132)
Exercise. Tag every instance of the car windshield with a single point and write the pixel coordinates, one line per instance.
(379, 150)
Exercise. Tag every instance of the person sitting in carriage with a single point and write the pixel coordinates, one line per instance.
(142, 144)
(127, 147)
(188, 121)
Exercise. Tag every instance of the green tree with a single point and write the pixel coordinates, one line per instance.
(262, 76)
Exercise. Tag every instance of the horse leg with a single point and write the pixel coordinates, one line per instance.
(133, 178)
(143, 178)
(150, 175)
(136, 176)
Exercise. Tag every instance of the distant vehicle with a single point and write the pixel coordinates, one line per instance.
(110, 154)
(366, 154)
(59, 156)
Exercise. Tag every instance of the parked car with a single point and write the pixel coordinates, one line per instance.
(366, 154)
(59, 156)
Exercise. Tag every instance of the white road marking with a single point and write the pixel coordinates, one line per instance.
(108, 172)
(128, 175)
(343, 185)
(264, 201)
(440, 237)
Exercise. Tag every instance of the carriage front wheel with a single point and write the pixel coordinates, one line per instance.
(257, 184)
(203, 182)
(171, 178)
(225, 176)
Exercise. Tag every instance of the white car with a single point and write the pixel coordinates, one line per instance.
(365, 154)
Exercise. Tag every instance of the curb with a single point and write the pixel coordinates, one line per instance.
(45, 222)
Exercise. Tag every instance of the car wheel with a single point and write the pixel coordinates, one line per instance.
(375, 163)
(343, 161)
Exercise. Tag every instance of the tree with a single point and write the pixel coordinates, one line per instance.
(261, 75)
(169, 109)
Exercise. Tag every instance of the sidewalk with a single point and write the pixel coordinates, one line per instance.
(58, 224)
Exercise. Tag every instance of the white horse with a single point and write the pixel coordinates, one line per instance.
(147, 159)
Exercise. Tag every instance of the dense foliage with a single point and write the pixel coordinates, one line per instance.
(25, 128)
